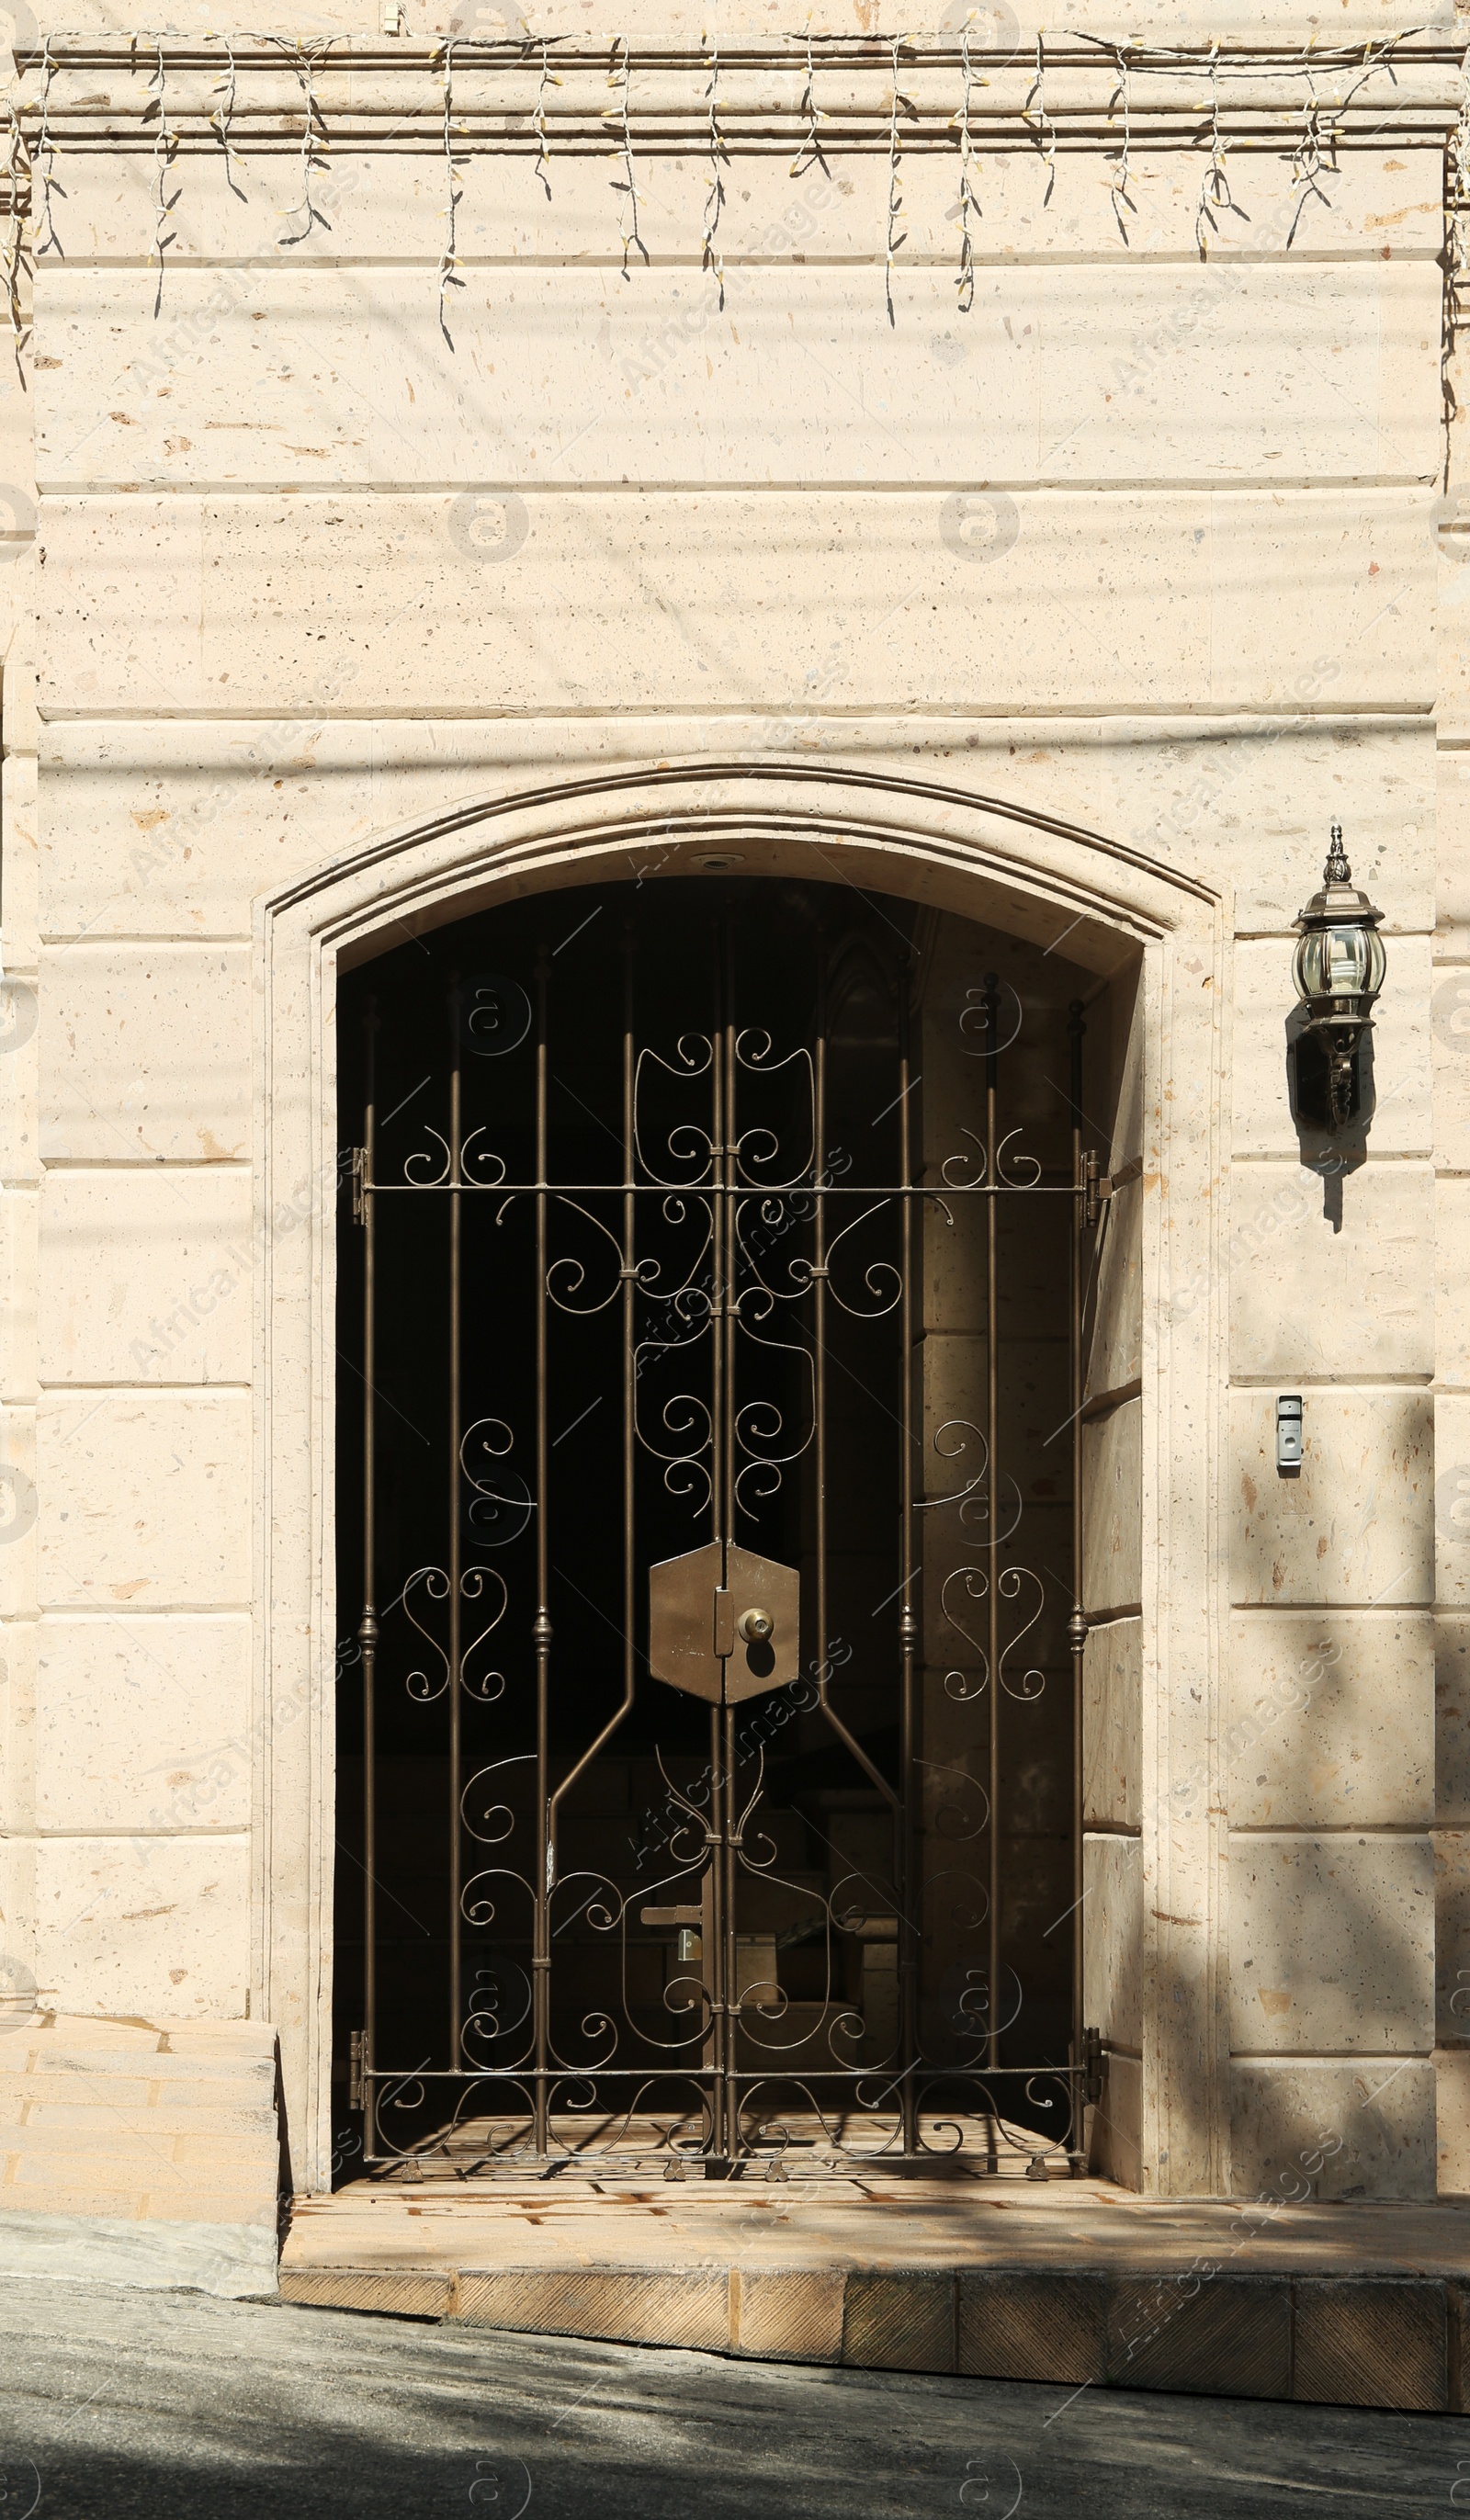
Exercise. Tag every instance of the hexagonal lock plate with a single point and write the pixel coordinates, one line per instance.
(694, 1623)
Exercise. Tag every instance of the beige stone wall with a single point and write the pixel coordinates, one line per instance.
(1141, 550)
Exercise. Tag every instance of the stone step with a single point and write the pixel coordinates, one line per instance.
(134, 2138)
(161, 2113)
(201, 2065)
(220, 2110)
(156, 2199)
(1069, 2283)
(109, 2129)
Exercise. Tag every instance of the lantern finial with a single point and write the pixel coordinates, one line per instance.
(1339, 968)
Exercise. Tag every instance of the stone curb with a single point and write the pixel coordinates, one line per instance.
(1397, 2342)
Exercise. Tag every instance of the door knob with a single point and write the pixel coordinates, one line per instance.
(753, 1627)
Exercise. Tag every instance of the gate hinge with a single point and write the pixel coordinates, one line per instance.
(1092, 2059)
(1097, 1187)
(359, 1177)
(356, 2044)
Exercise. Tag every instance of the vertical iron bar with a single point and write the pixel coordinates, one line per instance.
(456, 1842)
(993, 1491)
(818, 1313)
(712, 1960)
(727, 1520)
(909, 1638)
(367, 1626)
(717, 1322)
(630, 1323)
(541, 1958)
(731, 1971)
(720, 1334)
(1077, 1624)
(731, 1301)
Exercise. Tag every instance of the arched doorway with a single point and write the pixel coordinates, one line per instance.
(719, 1235)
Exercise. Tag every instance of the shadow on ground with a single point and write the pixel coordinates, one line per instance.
(170, 2403)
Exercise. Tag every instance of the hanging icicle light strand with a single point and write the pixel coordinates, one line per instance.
(965, 283)
(315, 140)
(901, 103)
(1316, 132)
(619, 75)
(715, 197)
(1121, 173)
(548, 79)
(17, 164)
(223, 120)
(1045, 129)
(46, 239)
(453, 194)
(810, 154)
(165, 150)
(1308, 161)
(1456, 256)
(1214, 186)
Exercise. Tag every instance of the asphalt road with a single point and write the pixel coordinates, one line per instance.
(117, 2403)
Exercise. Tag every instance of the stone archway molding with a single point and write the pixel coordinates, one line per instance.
(1035, 875)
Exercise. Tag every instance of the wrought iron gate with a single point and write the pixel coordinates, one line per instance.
(666, 1572)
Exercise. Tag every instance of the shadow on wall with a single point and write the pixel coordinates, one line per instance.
(1331, 1152)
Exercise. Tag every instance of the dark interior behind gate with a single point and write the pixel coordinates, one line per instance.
(676, 1215)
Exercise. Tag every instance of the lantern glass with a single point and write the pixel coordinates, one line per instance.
(1340, 961)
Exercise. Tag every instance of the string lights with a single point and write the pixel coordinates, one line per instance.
(810, 154)
(223, 118)
(619, 78)
(715, 198)
(455, 194)
(548, 79)
(1456, 253)
(46, 239)
(1308, 161)
(901, 103)
(165, 147)
(315, 140)
(967, 200)
(1119, 188)
(1214, 184)
(1045, 128)
(31, 178)
(18, 179)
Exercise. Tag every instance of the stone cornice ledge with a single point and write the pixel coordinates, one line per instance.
(1078, 92)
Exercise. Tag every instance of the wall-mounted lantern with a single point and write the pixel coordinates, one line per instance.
(1338, 969)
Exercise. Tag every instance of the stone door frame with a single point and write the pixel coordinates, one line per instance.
(1036, 876)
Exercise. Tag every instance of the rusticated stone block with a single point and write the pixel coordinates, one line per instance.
(1371, 2341)
(787, 2314)
(1033, 2326)
(1225, 2337)
(898, 2322)
(399, 2292)
(1332, 1943)
(1351, 2131)
(626, 2304)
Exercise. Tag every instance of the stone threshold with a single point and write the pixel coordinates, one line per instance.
(1075, 2284)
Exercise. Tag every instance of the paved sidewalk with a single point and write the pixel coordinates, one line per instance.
(119, 2404)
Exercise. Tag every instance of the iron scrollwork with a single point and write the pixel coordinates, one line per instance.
(743, 1261)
